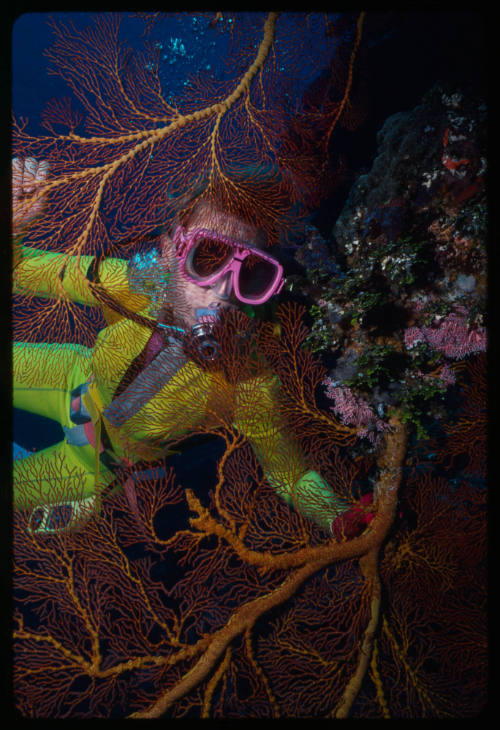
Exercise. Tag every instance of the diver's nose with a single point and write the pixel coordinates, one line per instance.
(224, 286)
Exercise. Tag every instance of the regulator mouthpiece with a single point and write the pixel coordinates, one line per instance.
(204, 341)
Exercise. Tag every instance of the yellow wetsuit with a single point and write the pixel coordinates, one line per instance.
(50, 378)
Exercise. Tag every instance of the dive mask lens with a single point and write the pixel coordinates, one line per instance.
(208, 257)
(256, 276)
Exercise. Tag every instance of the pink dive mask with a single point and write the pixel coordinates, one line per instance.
(206, 256)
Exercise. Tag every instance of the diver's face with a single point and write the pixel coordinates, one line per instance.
(193, 303)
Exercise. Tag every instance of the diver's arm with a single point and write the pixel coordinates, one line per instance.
(257, 416)
(49, 275)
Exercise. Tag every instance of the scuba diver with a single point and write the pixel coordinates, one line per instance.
(142, 388)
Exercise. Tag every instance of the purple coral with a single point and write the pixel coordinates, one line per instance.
(453, 337)
(413, 336)
(447, 375)
(355, 411)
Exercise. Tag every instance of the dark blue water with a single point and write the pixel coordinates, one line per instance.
(186, 42)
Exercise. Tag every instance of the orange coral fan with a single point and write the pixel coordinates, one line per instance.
(199, 592)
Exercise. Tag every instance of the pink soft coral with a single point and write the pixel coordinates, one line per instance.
(355, 411)
(453, 337)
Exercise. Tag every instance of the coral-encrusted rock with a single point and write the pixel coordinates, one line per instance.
(412, 239)
(429, 168)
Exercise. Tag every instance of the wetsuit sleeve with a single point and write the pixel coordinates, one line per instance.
(48, 275)
(257, 416)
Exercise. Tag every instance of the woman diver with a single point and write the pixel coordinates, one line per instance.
(143, 387)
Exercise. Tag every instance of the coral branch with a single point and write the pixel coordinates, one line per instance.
(369, 567)
(242, 620)
(315, 559)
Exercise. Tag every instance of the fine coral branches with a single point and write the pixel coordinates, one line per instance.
(158, 635)
(134, 144)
